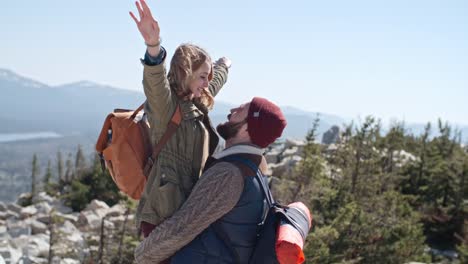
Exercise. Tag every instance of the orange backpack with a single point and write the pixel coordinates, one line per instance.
(124, 146)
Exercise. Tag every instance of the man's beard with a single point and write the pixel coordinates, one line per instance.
(229, 130)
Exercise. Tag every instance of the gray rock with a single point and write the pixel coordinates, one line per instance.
(402, 157)
(101, 212)
(331, 136)
(70, 242)
(67, 228)
(272, 156)
(14, 208)
(60, 207)
(38, 246)
(332, 147)
(117, 220)
(3, 207)
(43, 207)
(11, 215)
(28, 211)
(89, 220)
(108, 225)
(10, 254)
(3, 215)
(69, 217)
(95, 205)
(290, 152)
(17, 231)
(43, 218)
(58, 260)
(293, 143)
(116, 210)
(42, 197)
(4, 237)
(38, 227)
(32, 260)
(4, 243)
(285, 167)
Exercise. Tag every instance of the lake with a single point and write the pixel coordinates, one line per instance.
(25, 136)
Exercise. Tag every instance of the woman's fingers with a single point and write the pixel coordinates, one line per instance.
(146, 9)
(134, 17)
(140, 10)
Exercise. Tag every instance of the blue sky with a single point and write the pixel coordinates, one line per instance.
(405, 60)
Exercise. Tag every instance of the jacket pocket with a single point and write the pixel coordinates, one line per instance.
(169, 194)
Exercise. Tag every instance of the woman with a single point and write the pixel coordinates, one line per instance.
(191, 83)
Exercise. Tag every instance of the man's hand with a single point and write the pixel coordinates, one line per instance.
(225, 61)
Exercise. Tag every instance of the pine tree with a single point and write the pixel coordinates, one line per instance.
(34, 174)
(421, 176)
(80, 162)
(60, 174)
(310, 168)
(69, 172)
(365, 168)
(416, 174)
(394, 141)
(445, 175)
(392, 150)
(48, 176)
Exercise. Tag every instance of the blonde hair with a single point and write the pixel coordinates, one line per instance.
(186, 60)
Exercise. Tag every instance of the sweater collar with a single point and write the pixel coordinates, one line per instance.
(237, 149)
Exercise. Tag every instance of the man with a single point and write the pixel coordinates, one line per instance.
(227, 203)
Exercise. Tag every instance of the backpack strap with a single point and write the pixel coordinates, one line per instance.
(170, 130)
(137, 111)
(258, 175)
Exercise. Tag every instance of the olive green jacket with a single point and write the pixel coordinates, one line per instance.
(181, 161)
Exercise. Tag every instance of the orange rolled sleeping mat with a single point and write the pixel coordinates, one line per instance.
(290, 240)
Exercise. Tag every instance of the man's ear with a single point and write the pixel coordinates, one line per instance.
(244, 130)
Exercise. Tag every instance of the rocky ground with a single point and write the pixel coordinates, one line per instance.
(26, 233)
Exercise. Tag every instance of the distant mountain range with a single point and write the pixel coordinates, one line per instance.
(30, 106)
(79, 108)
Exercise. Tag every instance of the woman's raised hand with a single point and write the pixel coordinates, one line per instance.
(147, 25)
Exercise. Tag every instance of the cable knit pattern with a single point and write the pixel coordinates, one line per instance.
(214, 195)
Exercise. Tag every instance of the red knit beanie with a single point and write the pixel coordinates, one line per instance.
(265, 122)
